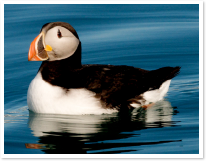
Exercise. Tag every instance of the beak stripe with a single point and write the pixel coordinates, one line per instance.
(36, 50)
(40, 46)
(32, 51)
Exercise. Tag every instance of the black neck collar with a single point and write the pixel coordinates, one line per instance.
(60, 71)
(72, 62)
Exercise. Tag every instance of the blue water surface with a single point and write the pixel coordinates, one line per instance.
(144, 36)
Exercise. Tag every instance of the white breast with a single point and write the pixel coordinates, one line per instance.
(43, 97)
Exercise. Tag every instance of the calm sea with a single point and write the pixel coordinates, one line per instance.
(144, 36)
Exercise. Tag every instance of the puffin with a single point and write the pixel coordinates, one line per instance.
(63, 85)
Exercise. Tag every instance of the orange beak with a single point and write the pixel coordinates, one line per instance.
(38, 50)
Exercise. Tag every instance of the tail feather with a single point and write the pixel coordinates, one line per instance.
(161, 75)
(169, 72)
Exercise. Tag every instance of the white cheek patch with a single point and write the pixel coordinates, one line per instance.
(62, 47)
(67, 46)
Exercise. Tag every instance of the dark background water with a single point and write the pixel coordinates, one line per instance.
(144, 36)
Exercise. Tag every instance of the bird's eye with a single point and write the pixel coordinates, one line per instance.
(59, 34)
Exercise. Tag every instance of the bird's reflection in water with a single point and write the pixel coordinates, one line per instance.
(79, 134)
